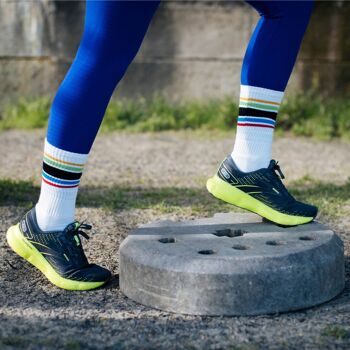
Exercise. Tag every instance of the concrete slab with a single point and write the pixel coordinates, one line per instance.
(231, 264)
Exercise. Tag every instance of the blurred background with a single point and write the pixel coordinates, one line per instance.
(193, 49)
(189, 66)
(186, 74)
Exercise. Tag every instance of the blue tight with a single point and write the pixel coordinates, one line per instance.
(113, 33)
(274, 45)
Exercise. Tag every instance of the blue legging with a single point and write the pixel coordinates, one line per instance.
(113, 33)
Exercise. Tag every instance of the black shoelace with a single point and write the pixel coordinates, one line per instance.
(76, 228)
(277, 168)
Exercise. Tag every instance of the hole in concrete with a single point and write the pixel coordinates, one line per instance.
(167, 240)
(227, 232)
(307, 238)
(206, 252)
(274, 243)
(240, 247)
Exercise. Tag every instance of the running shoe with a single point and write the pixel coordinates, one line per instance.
(261, 192)
(58, 255)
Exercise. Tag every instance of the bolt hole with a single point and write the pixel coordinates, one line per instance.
(240, 247)
(167, 240)
(206, 252)
(307, 238)
(274, 243)
(227, 232)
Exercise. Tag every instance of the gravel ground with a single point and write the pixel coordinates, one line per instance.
(34, 314)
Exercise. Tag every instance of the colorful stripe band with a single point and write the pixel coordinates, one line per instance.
(62, 161)
(260, 106)
(247, 99)
(256, 120)
(256, 125)
(61, 174)
(63, 166)
(257, 112)
(56, 185)
(60, 181)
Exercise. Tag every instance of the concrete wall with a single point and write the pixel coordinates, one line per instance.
(192, 49)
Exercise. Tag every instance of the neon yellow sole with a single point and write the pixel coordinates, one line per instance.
(20, 245)
(232, 195)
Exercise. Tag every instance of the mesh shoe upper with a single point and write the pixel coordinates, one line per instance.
(266, 186)
(63, 250)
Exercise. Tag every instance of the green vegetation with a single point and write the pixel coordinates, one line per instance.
(26, 114)
(335, 331)
(333, 200)
(302, 115)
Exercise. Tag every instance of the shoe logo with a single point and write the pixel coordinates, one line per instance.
(275, 190)
(224, 173)
(24, 226)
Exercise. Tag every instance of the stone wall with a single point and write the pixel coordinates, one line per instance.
(192, 49)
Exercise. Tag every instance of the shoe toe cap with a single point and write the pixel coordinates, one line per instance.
(306, 210)
(92, 273)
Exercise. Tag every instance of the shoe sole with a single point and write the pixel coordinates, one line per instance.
(232, 195)
(20, 245)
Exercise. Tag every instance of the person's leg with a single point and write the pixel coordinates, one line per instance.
(48, 236)
(113, 34)
(248, 178)
(267, 66)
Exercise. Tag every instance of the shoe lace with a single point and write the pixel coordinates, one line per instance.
(76, 228)
(277, 168)
(75, 249)
(279, 174)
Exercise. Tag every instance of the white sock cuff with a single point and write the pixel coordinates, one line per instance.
(248, 91)
(66, 156)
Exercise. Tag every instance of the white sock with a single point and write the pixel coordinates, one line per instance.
(59, 188)
(258, 108)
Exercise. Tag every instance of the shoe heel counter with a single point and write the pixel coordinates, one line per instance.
(225, 172)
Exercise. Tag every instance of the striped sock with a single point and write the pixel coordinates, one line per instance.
(61, 175)
(258, 108)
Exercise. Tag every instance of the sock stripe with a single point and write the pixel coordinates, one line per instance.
(62, 161)
(256, 125)
(251, 112)
(256, 120)
(62, 166)
(258, 100)
(59, 181)
(61, 174)
(260, 106)
(59, 186)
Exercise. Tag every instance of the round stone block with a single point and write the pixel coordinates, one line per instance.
(231, 264)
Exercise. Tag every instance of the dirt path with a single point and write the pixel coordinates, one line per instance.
(34, 314)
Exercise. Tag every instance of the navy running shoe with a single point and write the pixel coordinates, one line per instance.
(261, 192)
(58, 255)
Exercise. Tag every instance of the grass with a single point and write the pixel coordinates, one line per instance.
(333, 200)
(335, 331)
(302, 115)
